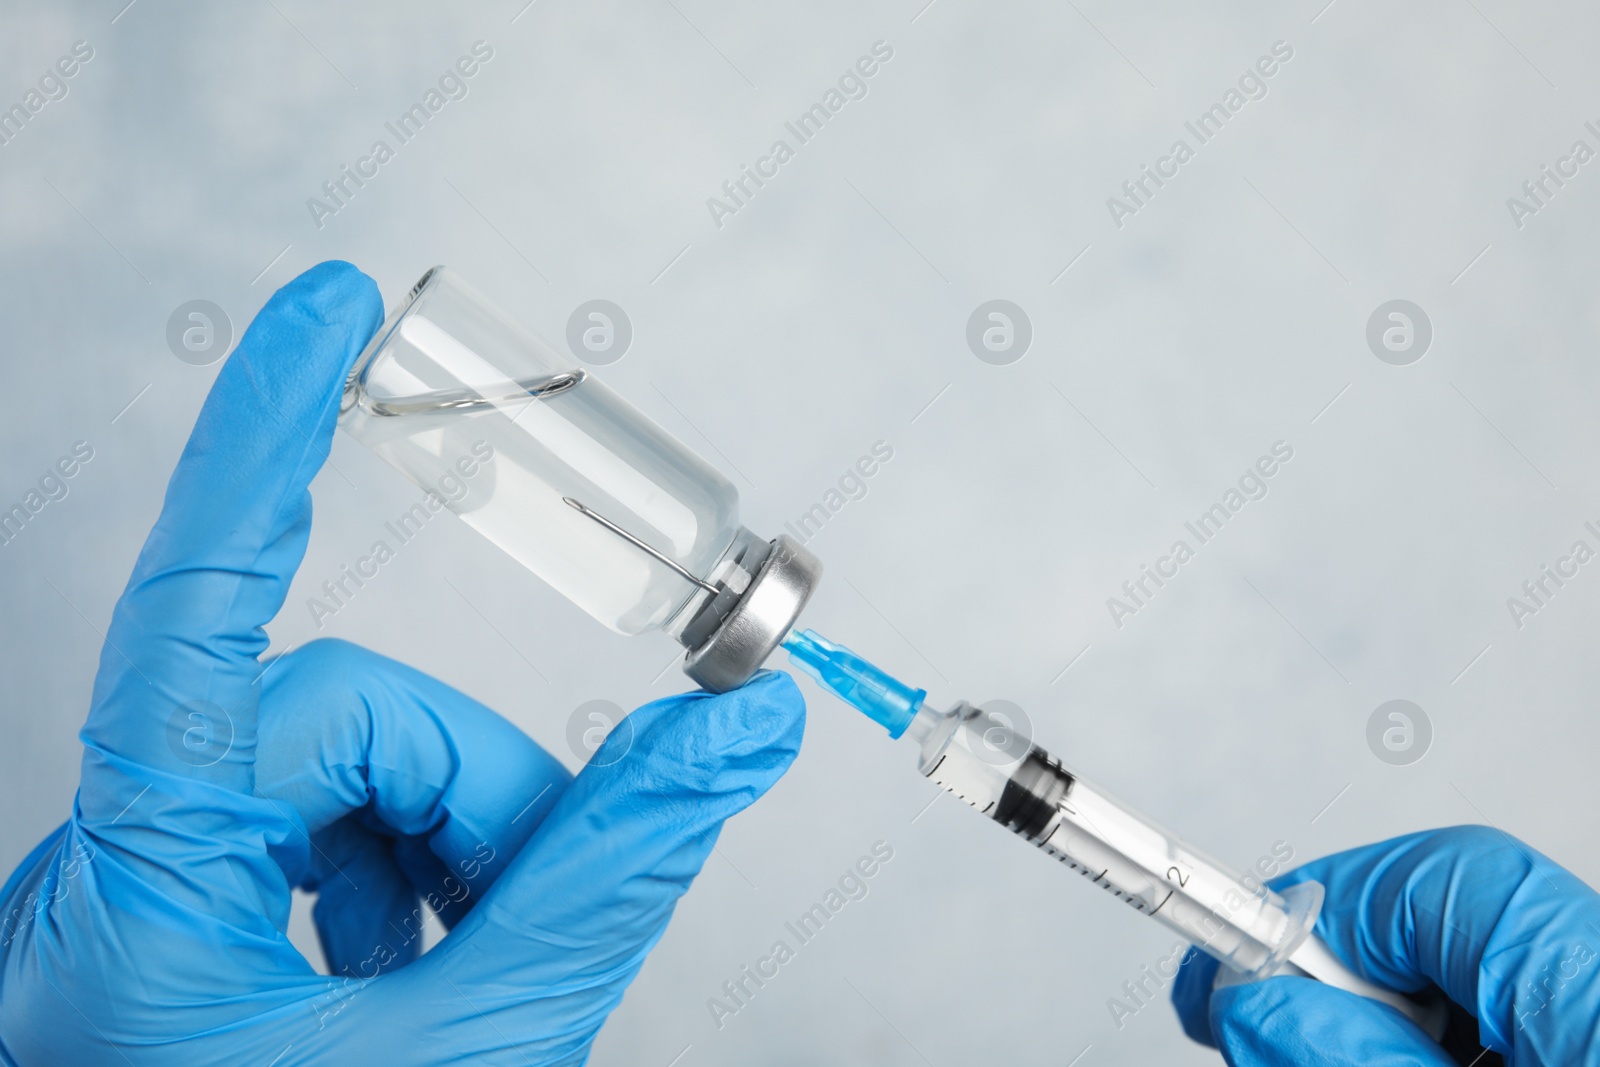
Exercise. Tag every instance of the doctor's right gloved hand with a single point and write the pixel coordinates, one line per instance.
(1507, 934)
(150, 928)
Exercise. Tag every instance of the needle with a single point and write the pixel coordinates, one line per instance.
(628, 537)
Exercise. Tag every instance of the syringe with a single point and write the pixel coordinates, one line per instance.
(1254, 931)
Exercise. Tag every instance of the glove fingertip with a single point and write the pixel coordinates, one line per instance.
(719, 750)
(319, 322)
(753, 733)
(760, 720)
(769, 710)
(335, 292)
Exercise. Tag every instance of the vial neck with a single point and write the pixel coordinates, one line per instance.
(732, 575)
(761, 588)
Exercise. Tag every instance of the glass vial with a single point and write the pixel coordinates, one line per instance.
(560, 472)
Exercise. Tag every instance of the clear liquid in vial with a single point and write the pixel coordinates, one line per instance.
(505, 468)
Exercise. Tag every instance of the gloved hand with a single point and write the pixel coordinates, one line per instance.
(1507, 934)
(149, 929)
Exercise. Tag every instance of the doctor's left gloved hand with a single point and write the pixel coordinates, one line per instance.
(149, 929)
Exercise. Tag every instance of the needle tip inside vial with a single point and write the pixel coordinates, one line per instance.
(672, 564)
(881, 697)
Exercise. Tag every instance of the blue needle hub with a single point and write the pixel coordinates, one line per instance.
(884, 699)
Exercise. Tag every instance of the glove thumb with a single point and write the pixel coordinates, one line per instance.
(1283, 1022)
(550, 948)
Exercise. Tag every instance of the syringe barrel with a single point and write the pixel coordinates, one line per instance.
(1240, 921)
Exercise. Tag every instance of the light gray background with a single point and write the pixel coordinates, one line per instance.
(827, 315)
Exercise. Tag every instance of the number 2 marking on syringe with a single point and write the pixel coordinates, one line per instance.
(1173, 875)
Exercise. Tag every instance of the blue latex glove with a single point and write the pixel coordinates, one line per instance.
(1507, 934)
(149, 929)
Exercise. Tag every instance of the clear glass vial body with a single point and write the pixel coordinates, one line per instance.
(514, 436)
